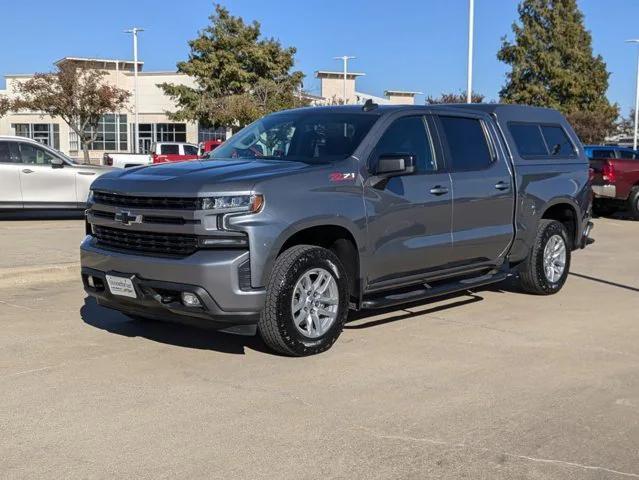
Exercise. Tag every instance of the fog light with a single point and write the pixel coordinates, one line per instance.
(90, 281)
(190, 300)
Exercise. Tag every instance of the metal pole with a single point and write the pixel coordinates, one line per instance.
(345, 60)
(471, 28)
(634, 144)
(136, 126)
(345, 75)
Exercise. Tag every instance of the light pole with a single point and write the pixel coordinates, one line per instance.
(471, 28)
(634, 145)
(344, 59)
(136, 127)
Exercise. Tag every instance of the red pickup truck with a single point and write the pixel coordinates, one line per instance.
(615, 179)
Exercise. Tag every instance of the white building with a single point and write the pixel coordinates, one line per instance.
(334, 88)
(116, 130)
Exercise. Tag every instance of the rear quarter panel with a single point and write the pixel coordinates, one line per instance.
(627, 174)
(542, 183)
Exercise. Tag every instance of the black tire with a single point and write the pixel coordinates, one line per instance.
(276, 325)
(532, 277)
(633, 203)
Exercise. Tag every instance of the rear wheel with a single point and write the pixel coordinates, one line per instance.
(633, 203)
(306, 301)
(545, 270)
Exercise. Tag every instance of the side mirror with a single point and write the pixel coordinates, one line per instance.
(391, 165)
(57, 163)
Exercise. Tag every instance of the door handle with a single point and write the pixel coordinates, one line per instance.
(86, 173)
(438, 190)
(27, 170)
(502, 186)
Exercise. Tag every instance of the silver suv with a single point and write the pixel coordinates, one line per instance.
(34, 176)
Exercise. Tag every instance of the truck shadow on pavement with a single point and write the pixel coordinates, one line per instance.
(204, 339)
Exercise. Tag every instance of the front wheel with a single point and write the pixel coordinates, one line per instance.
(306, 302)
(545, 270)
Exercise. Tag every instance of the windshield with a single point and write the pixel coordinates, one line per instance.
(303, 136)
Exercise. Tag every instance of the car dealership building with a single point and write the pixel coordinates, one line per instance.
(116, 130)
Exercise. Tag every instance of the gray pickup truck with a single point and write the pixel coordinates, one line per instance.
(308, 213)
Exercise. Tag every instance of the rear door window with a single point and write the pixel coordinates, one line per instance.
(190, 150)
(557, 140)
(169, 149)
(467, 143)
(528, 139)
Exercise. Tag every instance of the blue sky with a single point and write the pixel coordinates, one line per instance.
(403, 45)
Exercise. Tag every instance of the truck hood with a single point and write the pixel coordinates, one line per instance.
(195, 177)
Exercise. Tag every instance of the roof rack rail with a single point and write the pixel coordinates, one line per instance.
(369, 105)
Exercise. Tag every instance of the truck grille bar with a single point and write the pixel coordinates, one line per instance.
(146, 242)
(167, 203)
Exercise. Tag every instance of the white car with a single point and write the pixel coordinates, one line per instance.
(34, 176)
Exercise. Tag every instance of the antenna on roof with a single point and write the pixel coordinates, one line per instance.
(369, 105)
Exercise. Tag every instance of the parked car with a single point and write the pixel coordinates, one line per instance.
(209, 146)
(160, 152)
(615, 179)
(308, 213)
(34, 176)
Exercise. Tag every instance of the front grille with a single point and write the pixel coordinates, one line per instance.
(131, 201)
(172, 244)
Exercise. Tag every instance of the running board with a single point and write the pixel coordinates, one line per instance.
(425, 292)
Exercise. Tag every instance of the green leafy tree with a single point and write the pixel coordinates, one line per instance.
(454, 98)
(552, 65)
(79, 96)
(239, 76)
(5, 105)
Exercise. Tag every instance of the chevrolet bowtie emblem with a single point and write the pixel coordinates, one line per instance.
(126, 218)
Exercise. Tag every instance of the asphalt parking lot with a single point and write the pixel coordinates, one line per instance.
(491, 384)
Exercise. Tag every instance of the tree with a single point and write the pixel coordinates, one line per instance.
(454, 98)
(5, 105)
(77, 95)
(552, 65)
(239, 76)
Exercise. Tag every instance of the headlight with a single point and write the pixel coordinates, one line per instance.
(233, 203)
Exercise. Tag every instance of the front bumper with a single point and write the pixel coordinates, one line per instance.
(213, 275)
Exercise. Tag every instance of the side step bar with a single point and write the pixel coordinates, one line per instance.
(425, 292)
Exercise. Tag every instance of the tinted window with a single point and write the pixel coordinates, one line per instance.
(34, 155)
(408, 135)
(558, 142)
(627, 154)
(302, 136)
(169, 149)
(190, 150)
(5, 154)
(602, 154)
(466, 143)
(528, 139)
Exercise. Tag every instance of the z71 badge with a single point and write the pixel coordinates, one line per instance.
(341, 177)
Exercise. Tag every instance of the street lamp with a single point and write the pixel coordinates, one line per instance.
(344, 59)
(636, 41)
(471, 28)
(136, 127)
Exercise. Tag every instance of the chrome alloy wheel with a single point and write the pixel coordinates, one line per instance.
(554, 258)
(315, 302)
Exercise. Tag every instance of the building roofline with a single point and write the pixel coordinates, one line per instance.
(340, 74)
(402, 92)
(96, 60)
